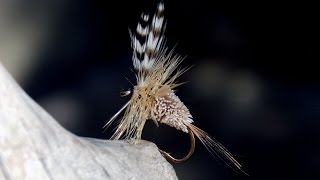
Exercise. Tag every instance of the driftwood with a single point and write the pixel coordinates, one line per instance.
(34, 146)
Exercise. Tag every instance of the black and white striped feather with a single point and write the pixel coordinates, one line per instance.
(148, 40)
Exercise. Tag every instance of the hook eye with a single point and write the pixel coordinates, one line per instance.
(125, 93)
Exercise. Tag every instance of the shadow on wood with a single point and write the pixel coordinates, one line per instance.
(34, 146)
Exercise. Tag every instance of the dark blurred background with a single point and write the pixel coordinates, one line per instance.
(254, 85)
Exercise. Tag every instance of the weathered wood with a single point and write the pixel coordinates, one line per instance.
(34, 146)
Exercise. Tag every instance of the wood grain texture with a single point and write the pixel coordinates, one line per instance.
(34, 146)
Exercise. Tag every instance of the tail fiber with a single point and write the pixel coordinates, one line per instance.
(216, 148)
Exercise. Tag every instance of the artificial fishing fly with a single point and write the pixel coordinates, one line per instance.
(153, 96)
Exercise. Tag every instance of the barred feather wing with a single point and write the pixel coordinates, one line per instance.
(148, 39)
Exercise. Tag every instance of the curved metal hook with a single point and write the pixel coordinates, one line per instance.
(191, 150)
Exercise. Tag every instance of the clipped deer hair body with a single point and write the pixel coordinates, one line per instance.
(153, 96)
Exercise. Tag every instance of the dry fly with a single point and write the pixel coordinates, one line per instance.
(154, 98)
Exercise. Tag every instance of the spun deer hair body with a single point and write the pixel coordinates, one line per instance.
(153, 97)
